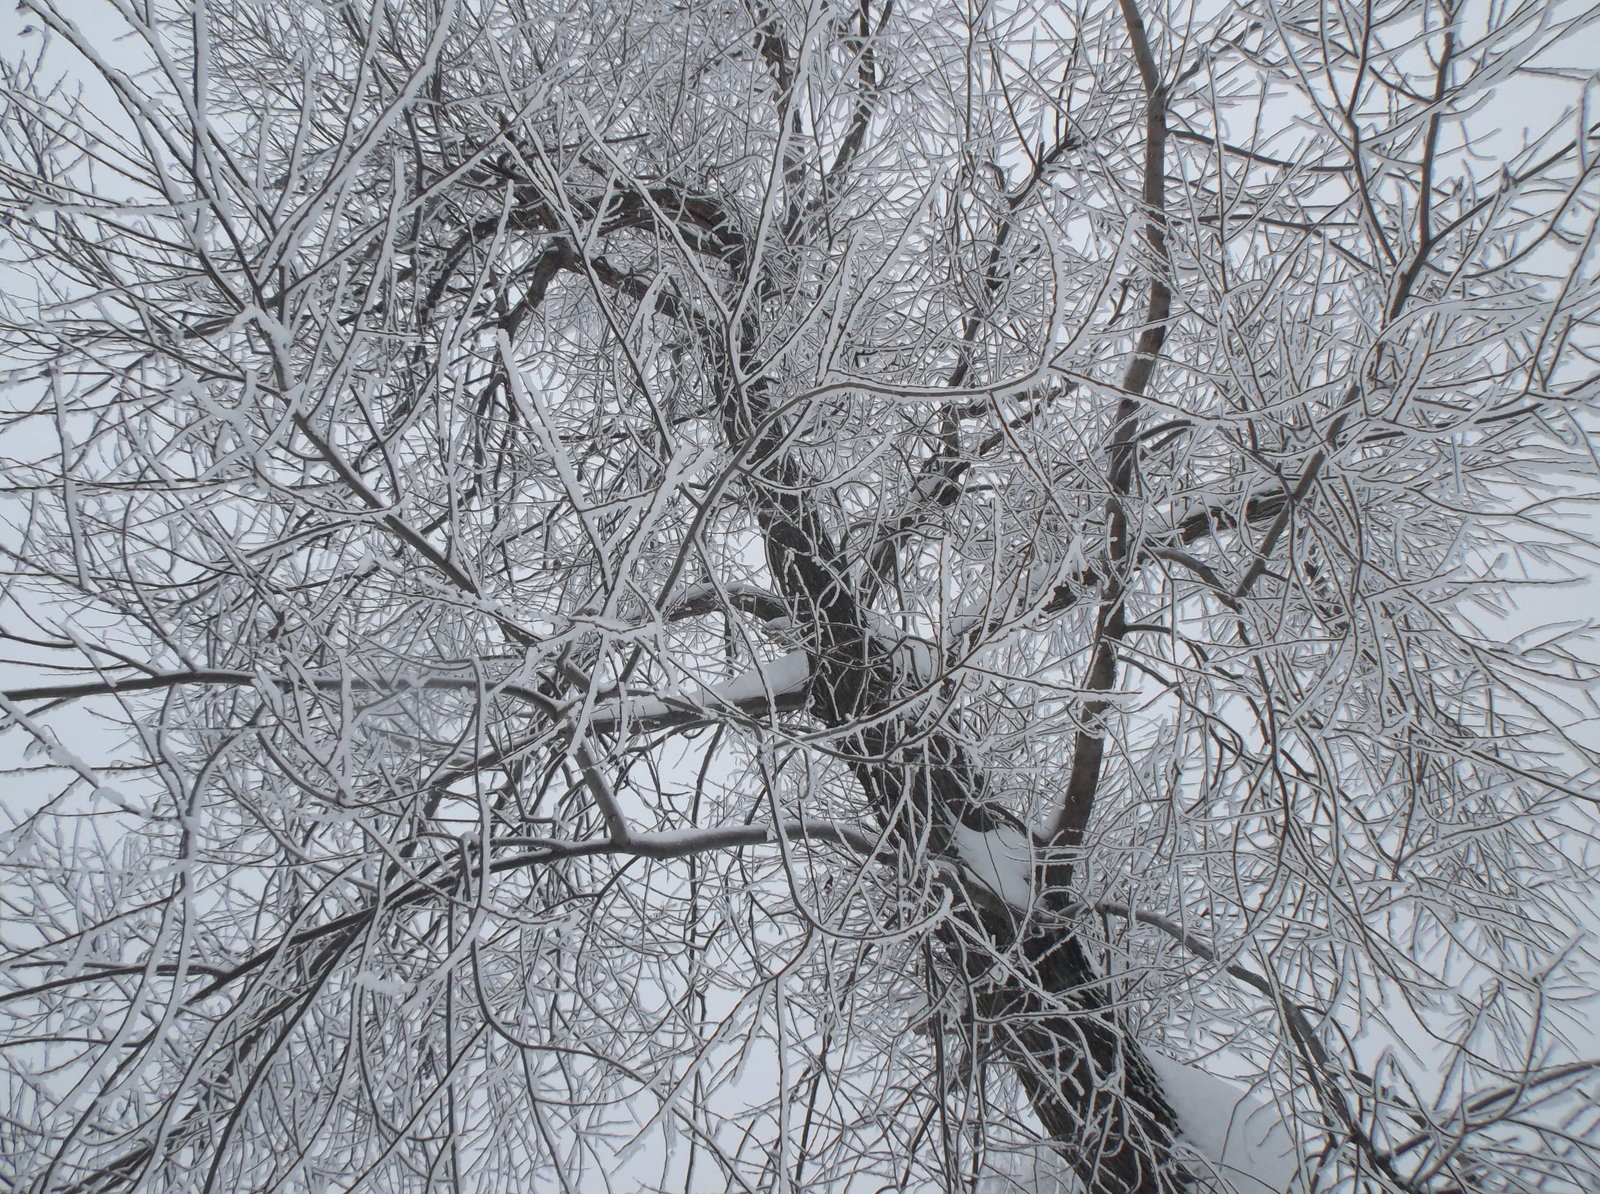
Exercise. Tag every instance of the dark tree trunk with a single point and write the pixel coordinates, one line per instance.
(1049, 1014)
(1088, 1080)
(1094, 1092)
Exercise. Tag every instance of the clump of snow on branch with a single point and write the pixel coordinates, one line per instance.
(751, 689)
(785, 675)
(1001, 859)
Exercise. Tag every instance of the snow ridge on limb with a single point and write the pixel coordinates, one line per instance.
(1001, 858)
(765, 686)
(709, 596)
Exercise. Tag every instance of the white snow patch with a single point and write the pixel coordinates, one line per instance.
(916, 657)
(381, 984)
(1243, 1136)
(1002, 860)
(630, 710)
(754, 686)
(731, 591)
(783, 675)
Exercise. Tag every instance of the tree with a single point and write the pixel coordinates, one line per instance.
(795, 596)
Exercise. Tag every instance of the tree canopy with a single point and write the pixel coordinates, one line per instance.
(797, 595)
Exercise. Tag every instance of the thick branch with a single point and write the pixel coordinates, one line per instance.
(1088, 753)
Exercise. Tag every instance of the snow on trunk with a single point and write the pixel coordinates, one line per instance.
(1241, 1137)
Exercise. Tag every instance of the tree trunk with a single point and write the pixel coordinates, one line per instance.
(1087, 1078)
(1050, 1014)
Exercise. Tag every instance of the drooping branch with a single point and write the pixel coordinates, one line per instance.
(439, 877)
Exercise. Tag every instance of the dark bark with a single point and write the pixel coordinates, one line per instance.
(1050, 1016)
(1088, 1080)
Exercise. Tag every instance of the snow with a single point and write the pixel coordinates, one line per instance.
(786, 674)
(751, 690)
(1243, 1136)
(634, 710)
(1002, 860)
(732, 592)
(916, 657)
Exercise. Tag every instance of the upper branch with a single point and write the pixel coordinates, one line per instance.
(1077, 805)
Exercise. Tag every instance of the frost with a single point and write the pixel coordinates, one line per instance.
(425, 485)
